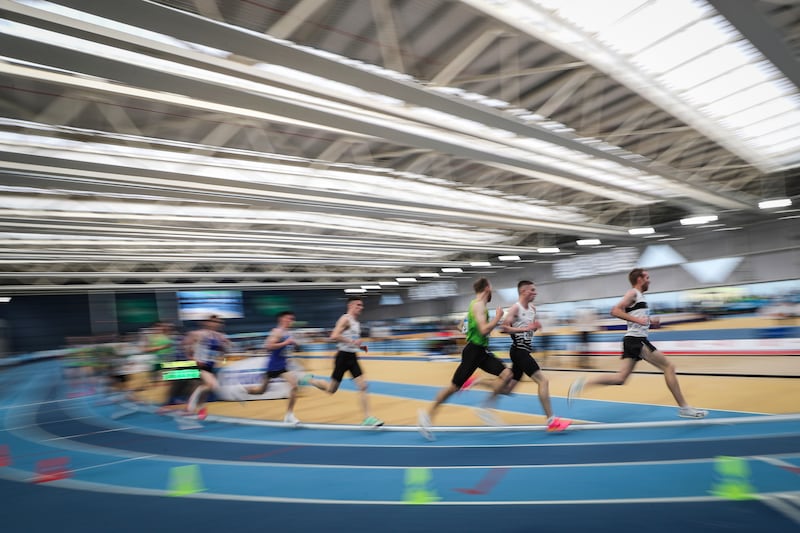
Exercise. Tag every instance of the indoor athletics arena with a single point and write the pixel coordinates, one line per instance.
(399, 266)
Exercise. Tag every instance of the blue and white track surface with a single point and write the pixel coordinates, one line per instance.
(648, 472)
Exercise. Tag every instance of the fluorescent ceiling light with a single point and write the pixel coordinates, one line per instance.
(371, 185)
(508, 258)
(407, 280)
(700, 219)
(480, 264)
(588, 242)
(388, 283)
(5, 299)
(429, 274)
(641, 231)
(548, 250)
(371, 287)
(355, 291)
(771, 204)
(454, 270)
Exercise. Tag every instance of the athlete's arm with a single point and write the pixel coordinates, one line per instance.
(189, 341)
(508, 319)
(341, 325)
(619, 309)
(273, 341)
(479, 312)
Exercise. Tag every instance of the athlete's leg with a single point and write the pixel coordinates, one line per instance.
(442, 397)
(660, 361)
(617, 378)
(361, 384)
(259, 389)
(291, 379)
(544, 392)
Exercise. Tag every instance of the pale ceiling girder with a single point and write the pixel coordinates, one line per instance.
(220, 135)
(520, 73)
(610, 213)
(119, 120)
(570, 84)
(422, 163)
(332, 153)
(208, 8)
(388, 40)
(295, 17)
(466, 56)
(61, 111)
(260, 139)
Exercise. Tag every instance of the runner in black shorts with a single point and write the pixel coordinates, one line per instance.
(635, 346)
(475, 355)
(347, 335)
(521, 323)
(279, 343)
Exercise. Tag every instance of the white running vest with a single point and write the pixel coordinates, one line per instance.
(638, 309)
(524, 318)
(352, 333)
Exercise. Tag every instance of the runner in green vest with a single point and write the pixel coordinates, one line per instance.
(475, 355)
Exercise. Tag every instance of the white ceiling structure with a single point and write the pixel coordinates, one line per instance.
(158, 145)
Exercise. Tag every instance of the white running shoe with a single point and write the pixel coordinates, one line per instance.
(291, 419)
(691, 412)
(424, 422)
(575, 390)
(240, 394)
(186, 422)
(487, 417)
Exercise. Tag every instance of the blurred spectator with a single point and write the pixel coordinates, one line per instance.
(585, 324)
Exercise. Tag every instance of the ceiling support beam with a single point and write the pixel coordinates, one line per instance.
(208, 8)
(61, 111)
(565, 92)
(475, 48)
(291, 21)
(387, 35)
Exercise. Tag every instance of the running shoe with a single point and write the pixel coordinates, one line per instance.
(558, 424)
(575, 390)
(424, 425)
(372, 421)
(202, 414)
(487, 417)
(240, 394)
(691, 412)
(291, 419)
(186, 422)
(305, 379)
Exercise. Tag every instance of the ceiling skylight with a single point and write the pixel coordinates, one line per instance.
(683, 56)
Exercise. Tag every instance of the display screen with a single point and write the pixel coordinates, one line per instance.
(199, 305)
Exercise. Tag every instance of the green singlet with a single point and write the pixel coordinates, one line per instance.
(473, 333)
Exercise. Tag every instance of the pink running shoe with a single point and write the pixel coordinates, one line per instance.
(558, 424)
(202, 414)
